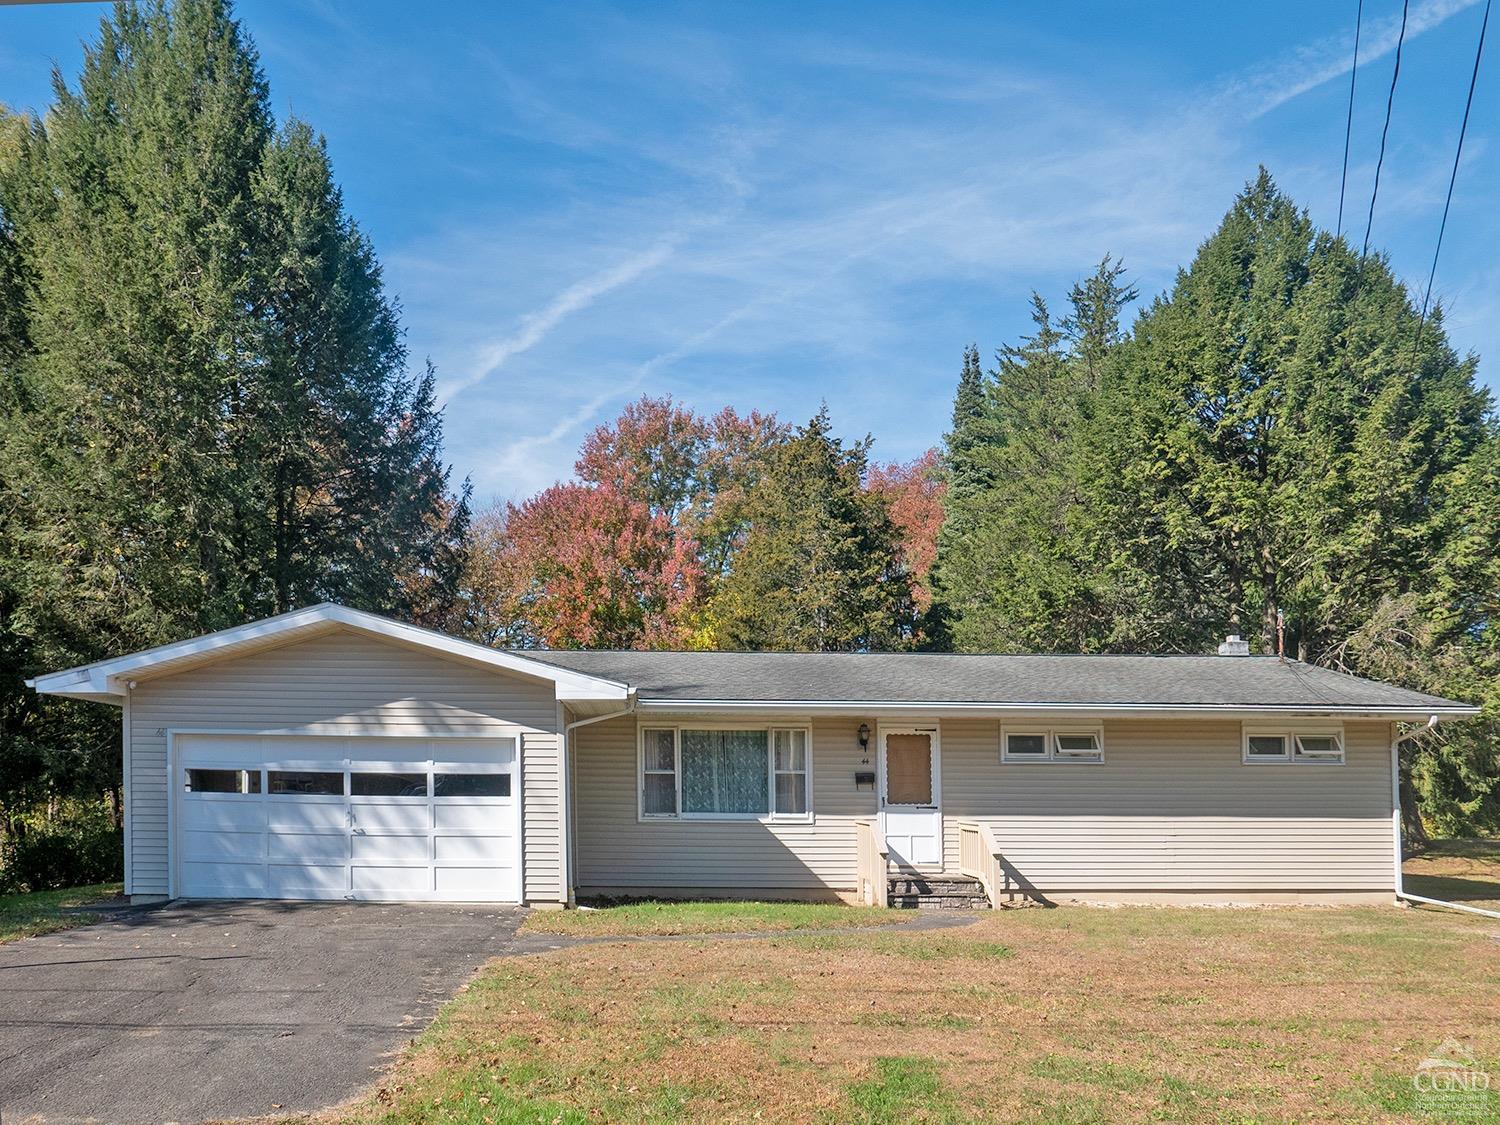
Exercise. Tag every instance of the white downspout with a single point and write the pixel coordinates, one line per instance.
(1401, 892)
(566, 782)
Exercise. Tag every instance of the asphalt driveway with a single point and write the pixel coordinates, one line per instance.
(208, 1010)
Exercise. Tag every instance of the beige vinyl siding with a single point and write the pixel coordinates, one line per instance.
(345, 683)
(615, 849)
(1173, 808)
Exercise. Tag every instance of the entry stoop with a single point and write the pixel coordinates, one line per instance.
(936, 892)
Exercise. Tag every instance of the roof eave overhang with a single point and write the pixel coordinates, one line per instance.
(940, 709)
(77, 684)
(109, 680)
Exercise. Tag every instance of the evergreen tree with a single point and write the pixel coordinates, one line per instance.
(1016, 569)
(1274, 437)
(344, 446)
(1279, 426)
(819, 568)
(207, 409)
(221, 422)
(968, 434)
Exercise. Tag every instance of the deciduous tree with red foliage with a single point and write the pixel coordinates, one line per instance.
(582, 566)
(693, 471)
(914, 492)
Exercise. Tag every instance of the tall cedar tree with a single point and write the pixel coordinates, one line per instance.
(208, 413)
(820, 566)
(1298, 446)
(1015, 570)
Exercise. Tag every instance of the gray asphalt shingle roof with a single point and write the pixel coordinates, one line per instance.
(1245, 681)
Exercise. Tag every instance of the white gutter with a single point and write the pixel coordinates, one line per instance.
(565, 784)
(1401, 892)
(1155, 710)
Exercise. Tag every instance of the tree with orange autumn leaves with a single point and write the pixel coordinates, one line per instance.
(631, 554)
(914, 491)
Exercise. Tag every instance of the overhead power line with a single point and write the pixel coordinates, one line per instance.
(1453, 176)
(1386, 128)
(1359, 18)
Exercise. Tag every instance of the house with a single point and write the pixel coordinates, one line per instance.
(333, 754)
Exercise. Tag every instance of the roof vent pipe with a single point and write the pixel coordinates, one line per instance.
(1234, 645)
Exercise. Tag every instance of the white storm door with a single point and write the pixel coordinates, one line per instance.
(910, 810)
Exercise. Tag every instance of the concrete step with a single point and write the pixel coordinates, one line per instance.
(936, 892)
(934, 885)
(938, 902)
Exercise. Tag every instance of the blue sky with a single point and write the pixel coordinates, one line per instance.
(771, 205)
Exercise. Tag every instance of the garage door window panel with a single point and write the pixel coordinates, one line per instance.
(221, 781)
(470, 784)
(305, 783)
(380, 784)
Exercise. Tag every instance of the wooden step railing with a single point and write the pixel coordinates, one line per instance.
(979, 857)
(874, 861)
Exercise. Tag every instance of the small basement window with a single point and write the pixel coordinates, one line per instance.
(221, 781)
(1066, 744)
(1304, 745)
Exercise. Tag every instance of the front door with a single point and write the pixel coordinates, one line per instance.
(909, 804)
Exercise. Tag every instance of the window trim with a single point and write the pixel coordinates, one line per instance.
(769, 817)
(1291, 737)
(773, 773)
(1050, 735)
(641, 771)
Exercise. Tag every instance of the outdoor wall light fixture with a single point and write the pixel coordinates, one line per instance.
(864, 741)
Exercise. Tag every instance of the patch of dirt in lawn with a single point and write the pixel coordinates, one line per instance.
(1048, 1015)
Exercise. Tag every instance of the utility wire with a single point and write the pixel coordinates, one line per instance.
(1390, 99)
(1359, 18)
(1453, 176)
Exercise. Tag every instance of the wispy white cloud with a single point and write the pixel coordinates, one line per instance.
(852, 247)
(1260, 91)
(900, 218)
(535, 326)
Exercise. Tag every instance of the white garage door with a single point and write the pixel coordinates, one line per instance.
(379, 819)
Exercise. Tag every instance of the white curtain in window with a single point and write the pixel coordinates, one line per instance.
(789, 763)
(724, 771)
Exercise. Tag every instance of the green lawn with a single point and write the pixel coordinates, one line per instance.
(1064, 1015)
(659, 918)
(40, 912)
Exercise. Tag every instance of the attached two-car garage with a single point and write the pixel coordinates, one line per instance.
(359, 818)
